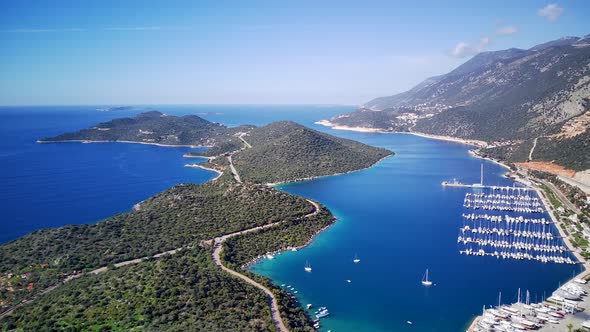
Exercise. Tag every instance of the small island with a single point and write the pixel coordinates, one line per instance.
(178, 260)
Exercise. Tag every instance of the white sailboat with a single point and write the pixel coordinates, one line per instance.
(425, 280)
(356, 258)
(307, 267)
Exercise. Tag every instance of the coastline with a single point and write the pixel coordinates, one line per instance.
(585, 273)
(130, 142)
(474, 153)
(248, 265)
(186, 155)
(471, 142)
(219, 173)
(256, 259)
(274, 184)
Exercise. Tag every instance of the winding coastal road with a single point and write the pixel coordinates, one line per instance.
(217, 249)
(274, 305)
(216, 255)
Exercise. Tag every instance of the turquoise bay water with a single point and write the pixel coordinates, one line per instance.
(399, 220)
(395, 216)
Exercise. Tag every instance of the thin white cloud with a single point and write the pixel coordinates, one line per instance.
(551, 12)
(507, 30)
(153, 28)
(483, 44)
(28, 30)
(463, 49)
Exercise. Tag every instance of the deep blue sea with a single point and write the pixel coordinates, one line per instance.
(395, 216)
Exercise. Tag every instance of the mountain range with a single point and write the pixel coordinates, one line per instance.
(507, 98)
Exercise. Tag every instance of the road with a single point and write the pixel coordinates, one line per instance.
(245, 143)
(217, 248)
(234, 172)
(274, 305)
(562, 197)
(43, 292)
(533, 148)
(275, 314)
(95, 271)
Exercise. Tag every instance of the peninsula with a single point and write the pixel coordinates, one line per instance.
(176, 260)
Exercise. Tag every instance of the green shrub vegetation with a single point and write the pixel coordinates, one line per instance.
(156, 127)
(182, 216)
(185, 290)
(286, 151)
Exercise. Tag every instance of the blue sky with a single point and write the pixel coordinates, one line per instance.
(254, 52)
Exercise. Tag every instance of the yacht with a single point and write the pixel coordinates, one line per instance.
(307, 267)
(356, 259)
(322, 312)
(425, 280)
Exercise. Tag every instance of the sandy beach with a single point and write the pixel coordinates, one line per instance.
(374, 130)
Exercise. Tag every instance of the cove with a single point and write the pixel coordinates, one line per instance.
(399, 220)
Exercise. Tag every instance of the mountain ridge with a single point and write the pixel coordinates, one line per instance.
(506, 98)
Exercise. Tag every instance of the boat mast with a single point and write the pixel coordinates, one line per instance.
(481, 176)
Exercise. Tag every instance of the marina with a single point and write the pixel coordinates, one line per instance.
(384, 297)
(522, 203)
(508, 229)
(498, 234)
(565, 306)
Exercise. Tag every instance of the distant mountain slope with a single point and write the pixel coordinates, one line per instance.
(156, 128)
(286, 151)
(508, 96)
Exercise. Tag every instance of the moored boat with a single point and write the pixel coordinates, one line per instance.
(425, 280)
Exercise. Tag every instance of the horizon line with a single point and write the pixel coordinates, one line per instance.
(182, 104)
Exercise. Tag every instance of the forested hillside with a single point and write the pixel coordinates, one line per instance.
(507, 98)
(286, 151)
